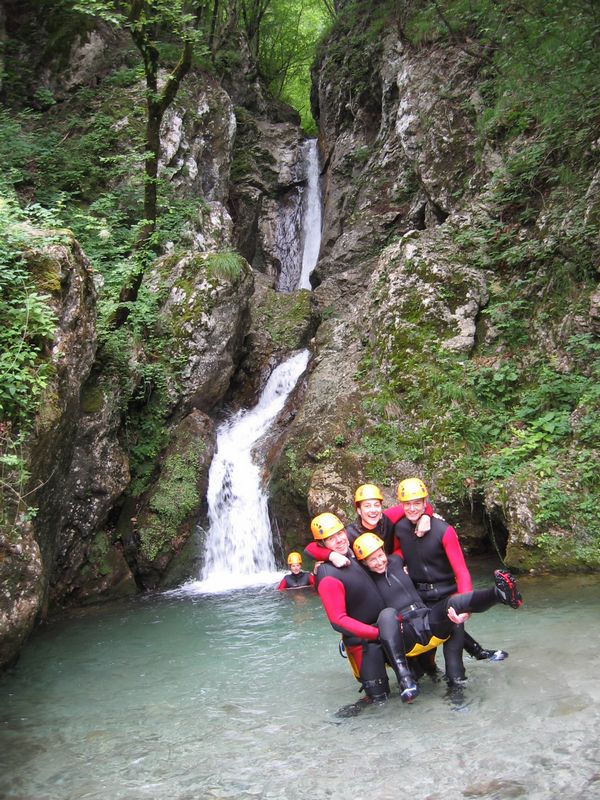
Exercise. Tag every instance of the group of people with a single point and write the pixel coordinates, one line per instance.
(395, 585)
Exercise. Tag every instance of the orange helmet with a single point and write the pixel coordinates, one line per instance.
(411, 489)
(368, 491)
(365, 544)
(294, 558)
(325, 525)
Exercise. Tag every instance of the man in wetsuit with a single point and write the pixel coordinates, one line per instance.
(296, 578)
(437, 567)
(352, 605)
(421, 627)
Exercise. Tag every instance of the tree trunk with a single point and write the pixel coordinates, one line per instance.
(156, 106)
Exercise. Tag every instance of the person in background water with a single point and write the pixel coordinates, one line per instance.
(353, 604)
(297, 578)
(436, 565)
(422, 628)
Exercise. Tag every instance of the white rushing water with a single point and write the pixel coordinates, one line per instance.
(311, 228)
(238, 549)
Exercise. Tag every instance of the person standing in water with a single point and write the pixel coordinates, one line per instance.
(296, 578)
(422, 628)
(353, 605)
(436, 565)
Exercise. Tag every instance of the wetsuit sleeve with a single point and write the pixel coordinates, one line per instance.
(457, 560)
(333, 596)
(282, 586)
(396, 513)
(311, 579)
(317, 551)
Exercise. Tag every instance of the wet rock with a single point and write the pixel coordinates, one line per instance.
(207, 312)
(165, 516)
(62, 269)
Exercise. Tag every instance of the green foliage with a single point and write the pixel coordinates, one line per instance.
(541, 60)
(27, 321)
(289, 32)
(175, 499)
(225, 264)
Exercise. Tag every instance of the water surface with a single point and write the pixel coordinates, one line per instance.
(183, 697)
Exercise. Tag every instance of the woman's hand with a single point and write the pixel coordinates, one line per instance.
(458, 619)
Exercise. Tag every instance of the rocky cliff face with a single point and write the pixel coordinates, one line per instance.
(421, 306)
(97, 534)
(30, 548)
(434, 299)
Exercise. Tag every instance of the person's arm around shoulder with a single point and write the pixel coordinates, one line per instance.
(395, 513)
(320, 553)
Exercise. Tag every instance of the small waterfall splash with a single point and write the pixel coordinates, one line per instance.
(311, 228)
(238, 550)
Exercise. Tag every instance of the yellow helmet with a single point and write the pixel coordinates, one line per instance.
(325, 525)
(294, 558)
(411, 489)
(368, 491)
(365, 544)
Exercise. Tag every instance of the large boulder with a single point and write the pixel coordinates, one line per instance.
(59, 268)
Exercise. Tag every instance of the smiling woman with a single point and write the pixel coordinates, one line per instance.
(178, 697)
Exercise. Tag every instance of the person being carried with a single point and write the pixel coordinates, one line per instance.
(353, 605)
(297, 578)
(437, 567)
(422, 628)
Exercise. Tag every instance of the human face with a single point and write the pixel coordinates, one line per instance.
(377, 561)
(295, 568)
(369, 512)
(414, 509)
(338, 542)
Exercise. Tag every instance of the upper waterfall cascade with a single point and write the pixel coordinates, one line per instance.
(311, 228)
(239, 548)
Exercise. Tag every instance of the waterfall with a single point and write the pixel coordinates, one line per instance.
(238, 549)
(311, 228)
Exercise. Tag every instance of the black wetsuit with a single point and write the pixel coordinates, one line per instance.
(423, 627)
(299, 581)
(384, 529)
(434, 577)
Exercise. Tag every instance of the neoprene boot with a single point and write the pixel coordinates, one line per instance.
(377, 690)
(408, 686)
(506, 589)
(475, 650)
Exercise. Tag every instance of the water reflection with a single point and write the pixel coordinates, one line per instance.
(180, 697)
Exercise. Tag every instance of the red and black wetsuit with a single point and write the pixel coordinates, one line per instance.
(300, 581)
(352, 605)
(384, 529)
(437, 567)
(435, 561)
